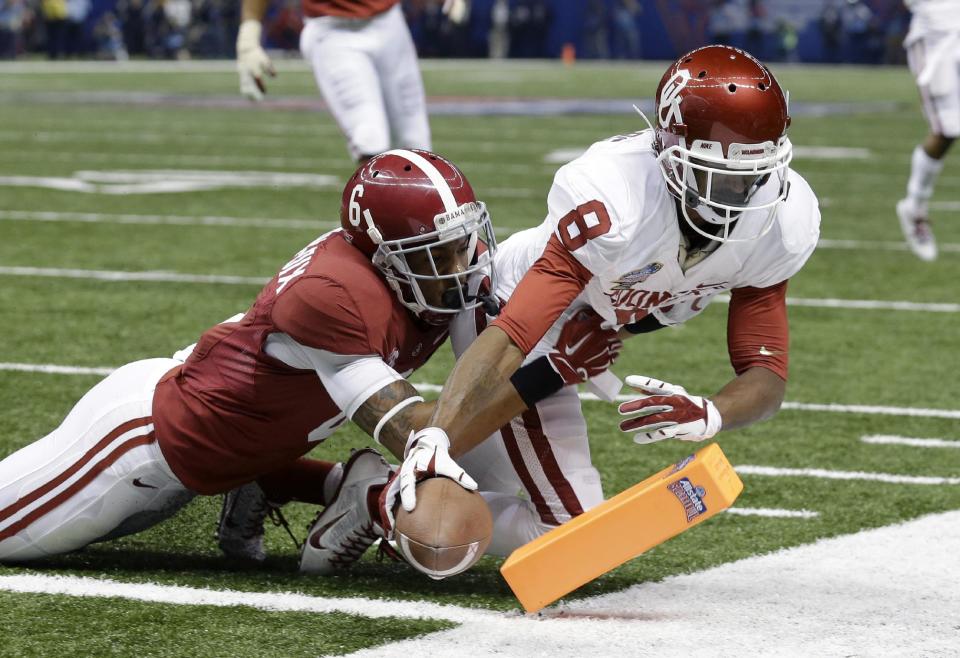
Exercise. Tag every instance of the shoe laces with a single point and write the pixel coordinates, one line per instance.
(354, 545)
(922, 230)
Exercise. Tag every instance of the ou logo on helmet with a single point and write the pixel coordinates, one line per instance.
(670, 98)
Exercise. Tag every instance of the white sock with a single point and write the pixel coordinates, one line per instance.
(924, 171)
(332, 481)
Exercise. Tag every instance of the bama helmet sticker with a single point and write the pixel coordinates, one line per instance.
(690, 496)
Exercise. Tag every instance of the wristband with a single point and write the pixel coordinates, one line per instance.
(536, 381)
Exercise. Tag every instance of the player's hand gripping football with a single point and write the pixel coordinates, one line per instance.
(253, 65)
(584, 349)
(667, 411)
(426, 455)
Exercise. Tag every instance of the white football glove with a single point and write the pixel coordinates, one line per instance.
(427, 455)
(253, 65)
(456, 10)
(667, 411)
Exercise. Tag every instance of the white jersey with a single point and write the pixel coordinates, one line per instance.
(636, 264)
(932, 16)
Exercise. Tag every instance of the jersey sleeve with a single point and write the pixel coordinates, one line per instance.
(349, 379)
(554, 281)
(758, 334)
(318, 312)
(588, 236)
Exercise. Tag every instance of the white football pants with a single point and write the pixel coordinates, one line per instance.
(98, 476)
(535, 473)
(367, 72)
(934, 59)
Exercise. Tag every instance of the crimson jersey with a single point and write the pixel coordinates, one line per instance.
(233, 412)
(346, 8)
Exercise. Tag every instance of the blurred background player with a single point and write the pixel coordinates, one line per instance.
(644, 229)
(933, 52)
(365, 65)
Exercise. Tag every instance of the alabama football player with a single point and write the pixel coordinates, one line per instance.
(933, 52)
(365, 65)
(643, 229)
(329, 338)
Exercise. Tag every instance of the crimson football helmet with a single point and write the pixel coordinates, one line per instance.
(405, 202)
(720, 137)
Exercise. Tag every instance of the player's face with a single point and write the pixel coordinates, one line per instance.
(450, 259)
(733, 189)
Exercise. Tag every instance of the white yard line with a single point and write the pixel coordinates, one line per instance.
(894, 440)
(773, 512)
(272, 601)
(865, 304)
(824, 474)
(174, 220)
(295, 223)
(877, 245)
(848, 595)
(915, 412)
(115, 275)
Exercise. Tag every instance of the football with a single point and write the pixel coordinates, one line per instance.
(448, 530)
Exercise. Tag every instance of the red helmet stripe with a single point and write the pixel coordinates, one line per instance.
(443, 189)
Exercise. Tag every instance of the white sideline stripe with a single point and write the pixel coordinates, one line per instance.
(773, 512)
(893, 439)
(115, 275)
(854, 594)
(271, 601)
(917, 412)
(824, 474)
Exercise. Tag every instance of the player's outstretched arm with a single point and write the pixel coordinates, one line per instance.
(253, 65)
(753, 396)
(390, 414)
(478, 396)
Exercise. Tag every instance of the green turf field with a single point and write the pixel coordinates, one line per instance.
(891, 358)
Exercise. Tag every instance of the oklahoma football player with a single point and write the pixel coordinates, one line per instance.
(644, 229)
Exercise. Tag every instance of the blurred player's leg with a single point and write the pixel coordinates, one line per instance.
(347, 78)
(401, 82)
(536, 473)
(936, 66)
(99, 475)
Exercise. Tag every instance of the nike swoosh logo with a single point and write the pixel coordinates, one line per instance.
(765, 352)
(315, 535)
(140, 483)
(570, 349)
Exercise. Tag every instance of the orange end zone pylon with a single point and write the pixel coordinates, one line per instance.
(621, 528)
